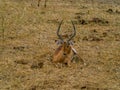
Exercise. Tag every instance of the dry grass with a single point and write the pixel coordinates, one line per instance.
(27, 35)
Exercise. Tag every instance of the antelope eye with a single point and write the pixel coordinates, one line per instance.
(69, 43)
(61, 42)
(67, 46)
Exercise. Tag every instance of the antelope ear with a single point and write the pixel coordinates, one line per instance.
(58, 42)
(71, 42)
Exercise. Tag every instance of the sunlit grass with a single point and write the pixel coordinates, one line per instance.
(28, 34)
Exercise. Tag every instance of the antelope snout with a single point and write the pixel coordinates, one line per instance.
(64, 54)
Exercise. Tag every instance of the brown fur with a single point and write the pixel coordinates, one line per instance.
(63, 54)
(58, 50)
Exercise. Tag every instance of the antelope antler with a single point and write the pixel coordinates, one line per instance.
(59, 30)
(74, 33)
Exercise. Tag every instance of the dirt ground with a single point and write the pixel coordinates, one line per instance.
(27, 44)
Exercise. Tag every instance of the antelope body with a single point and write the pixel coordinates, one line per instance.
(65, 51)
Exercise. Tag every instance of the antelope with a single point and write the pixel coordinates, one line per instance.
(44, 3)
(64, 53)
(38, 3)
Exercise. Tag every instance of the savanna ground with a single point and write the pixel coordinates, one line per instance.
(27, 43)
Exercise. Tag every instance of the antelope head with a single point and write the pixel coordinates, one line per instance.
(65, 50)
